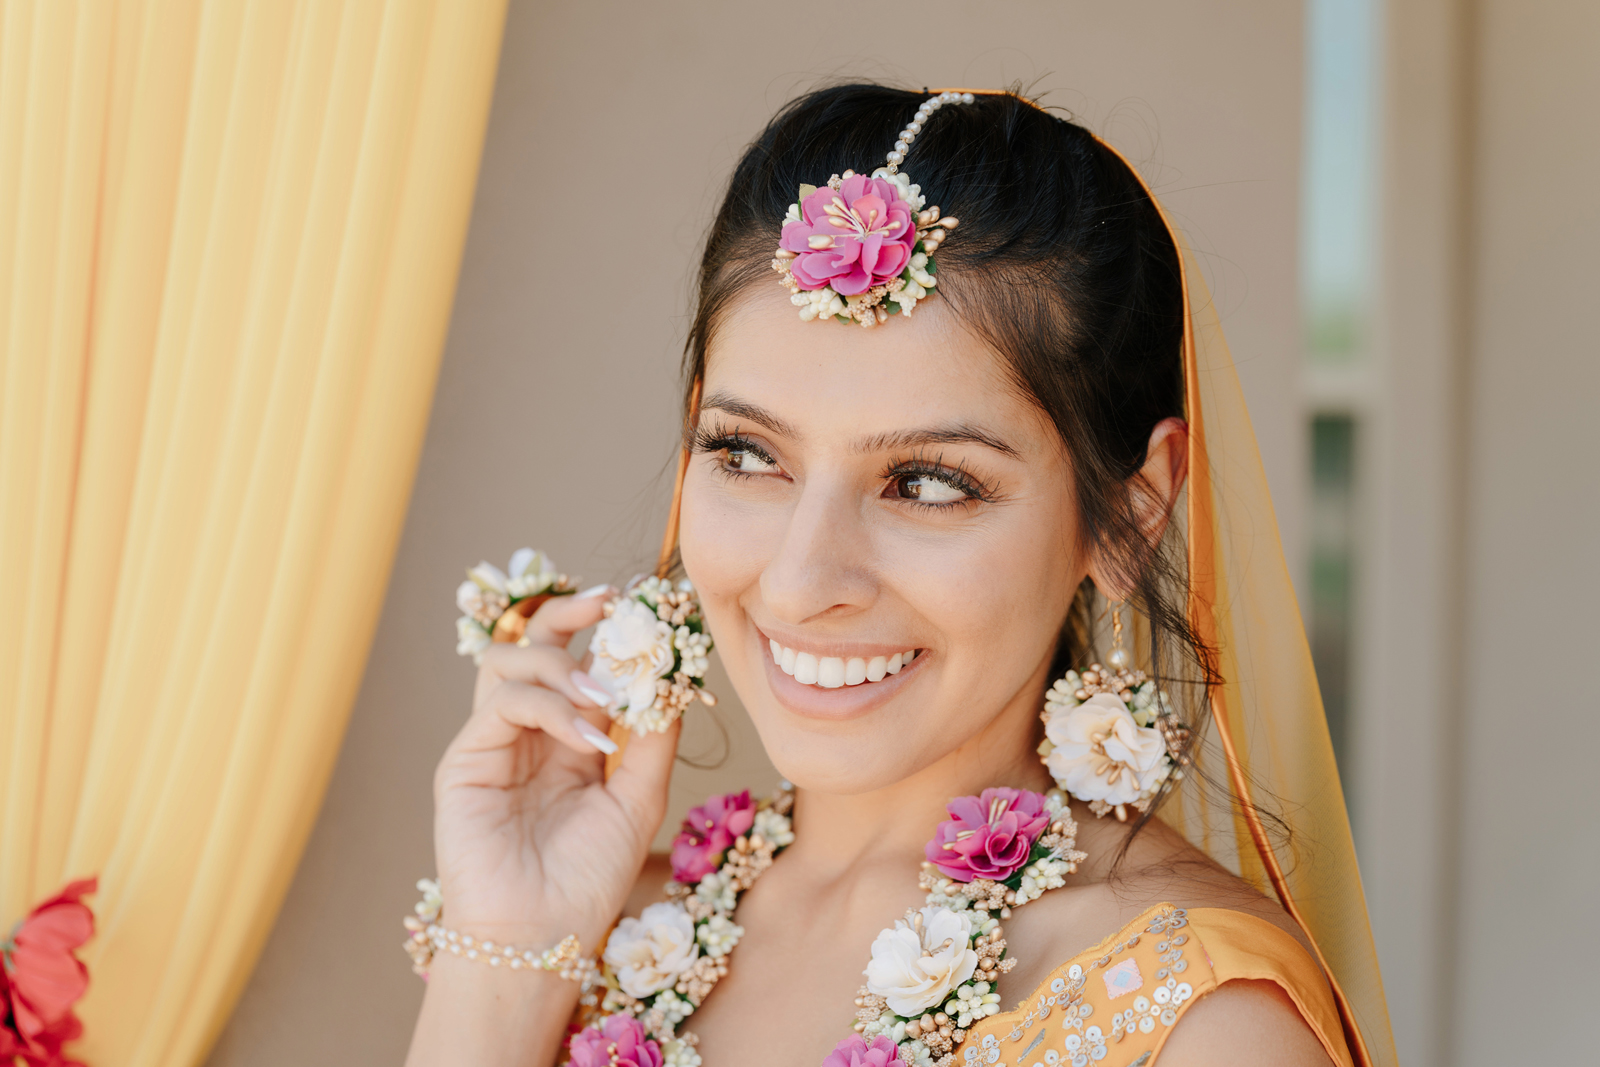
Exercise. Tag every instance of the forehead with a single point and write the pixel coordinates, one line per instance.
(833, 377)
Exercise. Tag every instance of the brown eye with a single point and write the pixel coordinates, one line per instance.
(926, 490)
(748, 462)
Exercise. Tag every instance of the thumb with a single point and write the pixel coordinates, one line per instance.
(638, 776)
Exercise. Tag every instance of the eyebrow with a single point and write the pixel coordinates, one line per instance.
(960, 433)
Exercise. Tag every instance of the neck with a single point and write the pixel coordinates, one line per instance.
(839, 835)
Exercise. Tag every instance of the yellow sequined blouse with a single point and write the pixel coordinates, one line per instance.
(1116, 1003)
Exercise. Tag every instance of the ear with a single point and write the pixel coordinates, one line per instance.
(1154, 490)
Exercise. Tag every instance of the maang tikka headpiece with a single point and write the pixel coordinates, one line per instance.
(861, 248)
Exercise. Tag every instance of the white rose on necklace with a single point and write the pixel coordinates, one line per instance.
(648, 954)
(1101, 753)
(915, 965)
(632, 648)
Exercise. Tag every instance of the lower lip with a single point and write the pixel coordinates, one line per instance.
(845, 702)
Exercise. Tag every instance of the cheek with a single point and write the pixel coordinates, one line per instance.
(1000, 594)
(725, 543)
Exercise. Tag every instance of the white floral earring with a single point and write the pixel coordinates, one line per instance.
(1111, 738)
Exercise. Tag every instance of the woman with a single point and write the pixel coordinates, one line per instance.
(901, 538)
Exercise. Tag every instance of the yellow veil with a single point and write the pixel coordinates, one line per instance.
(1271, 738)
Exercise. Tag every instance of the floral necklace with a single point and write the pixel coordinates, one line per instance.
(1112, 741)
(932, 974)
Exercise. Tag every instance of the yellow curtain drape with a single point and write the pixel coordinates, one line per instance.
(229, 237)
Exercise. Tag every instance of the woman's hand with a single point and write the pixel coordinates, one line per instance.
(532, 842)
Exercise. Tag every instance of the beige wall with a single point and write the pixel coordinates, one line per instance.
(1475, 768)
(1531, 574)
(614, 125)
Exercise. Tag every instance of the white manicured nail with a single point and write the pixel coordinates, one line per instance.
(586, 684)
(596, 590)
(599, 740)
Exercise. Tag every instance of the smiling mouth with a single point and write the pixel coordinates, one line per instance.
(834, 672)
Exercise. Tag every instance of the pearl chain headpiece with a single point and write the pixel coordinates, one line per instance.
(861, 248)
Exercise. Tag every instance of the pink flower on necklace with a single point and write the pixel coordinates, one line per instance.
(619, 1041)
(854, 1051)
(707, 833)
(989, 835)
(852, 238)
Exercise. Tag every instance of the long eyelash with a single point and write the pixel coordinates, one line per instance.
(956, 477)
(714, 439)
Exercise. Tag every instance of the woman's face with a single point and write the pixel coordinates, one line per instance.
(857, 495)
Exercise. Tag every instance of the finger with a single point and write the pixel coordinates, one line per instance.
(547, 665)
(513, 707)
(560, 617)
(639, 783)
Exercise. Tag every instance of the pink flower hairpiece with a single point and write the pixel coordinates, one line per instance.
(861, 247)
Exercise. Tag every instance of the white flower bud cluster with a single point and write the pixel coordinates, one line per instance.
(1149, 703)
(818, 303)
(673, 1008)
(432, 901)
(1041, 875)
(917, 286)
(719, 893)
(973, 1002)
(771, 826)
(1059, 697)
(718, 935)
(911, 194)
(693, 651)
(679, 1053)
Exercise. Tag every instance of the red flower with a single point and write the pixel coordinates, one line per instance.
(41, 979)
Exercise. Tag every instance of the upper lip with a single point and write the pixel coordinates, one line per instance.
(825, 646)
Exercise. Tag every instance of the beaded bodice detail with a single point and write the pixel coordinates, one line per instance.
(1117, 1003)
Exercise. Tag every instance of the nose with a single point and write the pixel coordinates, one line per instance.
(824, 565)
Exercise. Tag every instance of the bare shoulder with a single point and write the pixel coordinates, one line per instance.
(1243, 1024)
(1112, 890)
(648, 888)
(1163, 867)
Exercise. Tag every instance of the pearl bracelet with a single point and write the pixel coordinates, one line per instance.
(429, 938)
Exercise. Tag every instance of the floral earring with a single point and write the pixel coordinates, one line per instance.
(1111, 738)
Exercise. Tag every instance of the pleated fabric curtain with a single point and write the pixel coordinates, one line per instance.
(229, 238)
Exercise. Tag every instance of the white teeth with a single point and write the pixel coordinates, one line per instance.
(834, 672)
